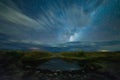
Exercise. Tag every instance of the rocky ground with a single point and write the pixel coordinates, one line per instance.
(9, 70)
(37, 74)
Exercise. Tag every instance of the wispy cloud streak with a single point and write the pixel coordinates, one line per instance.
(55, 20)
(15, 16)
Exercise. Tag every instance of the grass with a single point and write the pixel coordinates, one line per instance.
(39, 55)
(35, 58)
(29, 60)
(113, 56)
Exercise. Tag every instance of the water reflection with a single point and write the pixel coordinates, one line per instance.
(59, 64)
(58, 69)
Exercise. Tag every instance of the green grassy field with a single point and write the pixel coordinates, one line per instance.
(110, 56)
(39, 55)
(35, 58)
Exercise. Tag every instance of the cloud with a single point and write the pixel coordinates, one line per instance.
(53, 22)
(111, 47)
(25, 41)
(14, 16)
(93, 5)
(56, 16)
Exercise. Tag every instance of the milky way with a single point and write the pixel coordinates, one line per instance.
(59, 21)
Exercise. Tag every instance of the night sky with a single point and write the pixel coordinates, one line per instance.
(59, 21)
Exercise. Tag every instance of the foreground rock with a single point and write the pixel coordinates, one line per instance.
(30, 74)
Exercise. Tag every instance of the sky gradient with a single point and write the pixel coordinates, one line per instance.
(59, 21)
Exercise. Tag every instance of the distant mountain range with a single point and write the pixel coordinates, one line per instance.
(69, 46)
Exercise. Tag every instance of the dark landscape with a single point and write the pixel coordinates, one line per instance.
(26, 65)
